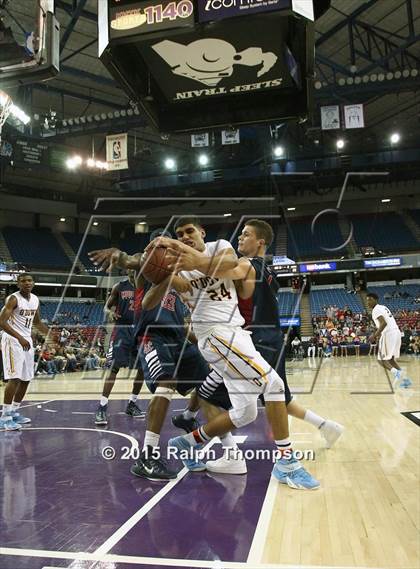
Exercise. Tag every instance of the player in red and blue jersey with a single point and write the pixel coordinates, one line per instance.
(123, 306)
(170, 362)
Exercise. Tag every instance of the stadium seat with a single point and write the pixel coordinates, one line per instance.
(35, 248)
(334, 297)
(289, 304)
(302, 243)
(72, 313)
(384, 231)
(91, 243)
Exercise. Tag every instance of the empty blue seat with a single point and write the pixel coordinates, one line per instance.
(91, 243)
(36, 248)
(384, 231)
(334, 297)
(395, 304)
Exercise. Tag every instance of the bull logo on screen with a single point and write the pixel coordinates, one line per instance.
(210, 60)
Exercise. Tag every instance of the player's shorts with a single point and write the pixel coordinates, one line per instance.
(270, 344)
(163, 358)
(389, 345)
(232, 354)
(17, 363)
(122, 351)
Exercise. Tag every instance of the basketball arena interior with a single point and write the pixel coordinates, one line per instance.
(122, 117)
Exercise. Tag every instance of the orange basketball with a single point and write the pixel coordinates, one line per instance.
(155, 266)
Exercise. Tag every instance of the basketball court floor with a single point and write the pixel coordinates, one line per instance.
(64, 505)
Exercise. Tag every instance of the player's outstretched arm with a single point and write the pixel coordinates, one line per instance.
(5, 314)
(43, 328)
(156, 293)
(107, 259)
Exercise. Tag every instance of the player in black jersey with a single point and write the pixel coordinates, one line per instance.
(257, 298)
(121, 307)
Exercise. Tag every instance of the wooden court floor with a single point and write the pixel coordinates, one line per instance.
(366, 513)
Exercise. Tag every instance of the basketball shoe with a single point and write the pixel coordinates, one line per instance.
(101, 417)
(188, 425)
(20, 419)
(291, 472)
(134, 411)
(186, 453)
(7, 424)
(152, 468)
(331, 431)
(232, 462)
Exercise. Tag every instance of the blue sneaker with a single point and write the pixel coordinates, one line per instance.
(7, 424)
(397, 375)
(292, 473)
(186, 453)
(401, 383)
(20, 419)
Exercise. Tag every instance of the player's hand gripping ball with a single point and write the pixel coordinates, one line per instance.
(155, 265)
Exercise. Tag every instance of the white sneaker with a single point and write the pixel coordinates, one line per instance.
(231, 464)
(331, 431)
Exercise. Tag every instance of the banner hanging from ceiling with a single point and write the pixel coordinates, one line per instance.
(353, 116)
(330, 117)
(116, 151)
(200, 140)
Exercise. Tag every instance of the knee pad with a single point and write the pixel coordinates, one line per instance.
(275, 390)
(243, 416)
(166, 392)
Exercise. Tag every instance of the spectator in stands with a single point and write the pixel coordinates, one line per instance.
(71, 360)
(64, 335)
(92, 360)
(312, 347)
(48, 358)
(414, 346)
(327, 348)
(344, 345)
(296, 346)
(329, 325)
(356, 344)
(320, 346)
(335, 344)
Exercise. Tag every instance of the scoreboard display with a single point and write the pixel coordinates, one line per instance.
(284, 266)
(196, 64)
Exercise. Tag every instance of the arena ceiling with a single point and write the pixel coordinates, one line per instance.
(369, 39)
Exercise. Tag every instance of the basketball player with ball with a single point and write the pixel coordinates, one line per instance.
(169, 361)
(211, 268)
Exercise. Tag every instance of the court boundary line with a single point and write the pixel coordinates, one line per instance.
(162, 561)
(258, 543)
(35, 403)
(143, 511)
(134, 443)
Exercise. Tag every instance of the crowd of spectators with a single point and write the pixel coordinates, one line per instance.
(340, 331)
(72, 351)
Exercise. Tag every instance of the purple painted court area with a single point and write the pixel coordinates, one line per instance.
(59, 494)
